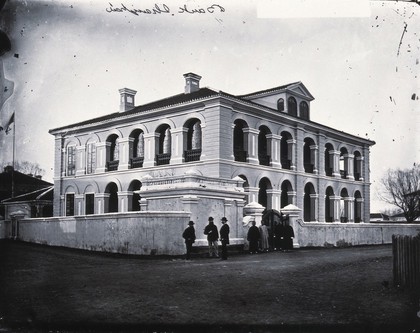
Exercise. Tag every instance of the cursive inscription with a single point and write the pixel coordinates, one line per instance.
(164, 9)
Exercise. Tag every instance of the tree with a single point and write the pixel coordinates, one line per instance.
(403, 190)
(28, 168)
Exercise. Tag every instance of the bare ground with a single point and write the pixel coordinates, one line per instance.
(308, 290)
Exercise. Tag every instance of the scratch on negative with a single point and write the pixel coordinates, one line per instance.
(402, 36)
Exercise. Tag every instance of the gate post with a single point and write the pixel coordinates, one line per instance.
(293, 212)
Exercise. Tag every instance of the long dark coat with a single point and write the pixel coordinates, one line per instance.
(189, 234)
(211, 231)
(288, 237)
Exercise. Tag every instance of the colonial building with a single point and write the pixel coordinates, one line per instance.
(210, 153)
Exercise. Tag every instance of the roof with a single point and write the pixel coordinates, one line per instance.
(41, 194)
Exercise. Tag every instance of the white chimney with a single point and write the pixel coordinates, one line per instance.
(192, 82)
(126, 99)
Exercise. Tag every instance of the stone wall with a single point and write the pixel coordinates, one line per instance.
(314, 234)
(143, 233)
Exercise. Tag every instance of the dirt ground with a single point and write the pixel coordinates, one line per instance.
(307, 290)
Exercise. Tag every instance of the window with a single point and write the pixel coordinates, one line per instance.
(71, 161)
(90, 157)
(292, 106)
(304, 110)
(70, 204)
(280, 105)
(90, 204)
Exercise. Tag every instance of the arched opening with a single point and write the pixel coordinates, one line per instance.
(309, 203)
(344, 206)
(193, 151)
(344, 163)
(263, 197)
(304, 110)
(286, 150)
(358, 207)
(90, 157)
(329, 206)
(286, 194)
(240, 145)
(280, 105)
(329, 159)
(163, 155)
(137, 152)
(263, 147)
(112, 190)
(112, 152)
(292, 106)
(357, 165)
(134, 187)
(309, 155)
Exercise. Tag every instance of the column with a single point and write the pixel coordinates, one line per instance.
(251, 135)
(321, 155)
(125, 201)
(314, 157)
(151, 143)
(335, 163)
(124, 153)
(291, 146)
(80, 160)
(101, 156)
(274, 199)
(274, 144)
(349, 202)
(314, 207)
(350, 166)
(252, 194)
(299, 144)
(79, 207)
(359, 167)
(101, 202)
(293, 213)
(62, 205)
(335, 208)
(179, 145)
(359, 213)
(291, 197)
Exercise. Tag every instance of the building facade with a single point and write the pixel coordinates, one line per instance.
(211, 153)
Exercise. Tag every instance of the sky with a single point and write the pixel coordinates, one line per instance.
(358, 58)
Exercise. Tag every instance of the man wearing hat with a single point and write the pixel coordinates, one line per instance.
(189, 236)
(224, 237)
(212, 237)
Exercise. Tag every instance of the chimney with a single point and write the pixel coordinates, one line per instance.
(192, 82)
(126, 99)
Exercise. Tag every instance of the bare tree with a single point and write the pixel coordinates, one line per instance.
(403, 190)
(28, 168)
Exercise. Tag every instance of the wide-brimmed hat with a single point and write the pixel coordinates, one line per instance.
(191, 223)
(224, 219)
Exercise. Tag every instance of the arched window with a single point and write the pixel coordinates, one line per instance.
(309, 155)
(344, 206)
(357, 164)
(263, 153)
(134, 187)
(137, 151)
(165, 144)
(71, 160)
(263, 197)
(286, 194)
(358, 207)
(113, 153)
(240, 141)
(309, 203)
(329, 206)
(292, 106)
(90, 157)
(112, 205)
(304, 110)
(280, 105)
(329, 159)
(286, 150)
(344, 157)
(194, 139)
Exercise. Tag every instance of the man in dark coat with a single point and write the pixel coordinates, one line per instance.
(279, 236)
(288, 235)
(224, 237)
(253, 237)
(212, 237)
(189, 236)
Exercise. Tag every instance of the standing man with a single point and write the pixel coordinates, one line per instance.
(224, 237)
(212, 236)
(253, 237)
(288, 235)
(189, 236)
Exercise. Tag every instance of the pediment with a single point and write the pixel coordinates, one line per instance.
(300, 90)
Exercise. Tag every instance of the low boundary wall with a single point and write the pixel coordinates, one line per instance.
(143, 233)
(321, 234)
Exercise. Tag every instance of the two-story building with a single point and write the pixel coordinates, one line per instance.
(210, 153)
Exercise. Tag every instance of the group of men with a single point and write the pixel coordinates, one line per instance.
(213, 237)
(258, 237)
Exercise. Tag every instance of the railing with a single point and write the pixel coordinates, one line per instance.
(285, 163)
(162, 159)
(406, 260)
(240, 155)
(309, 168)
(192, 155)
(137, 162)
(264, 159)
(112, 165)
